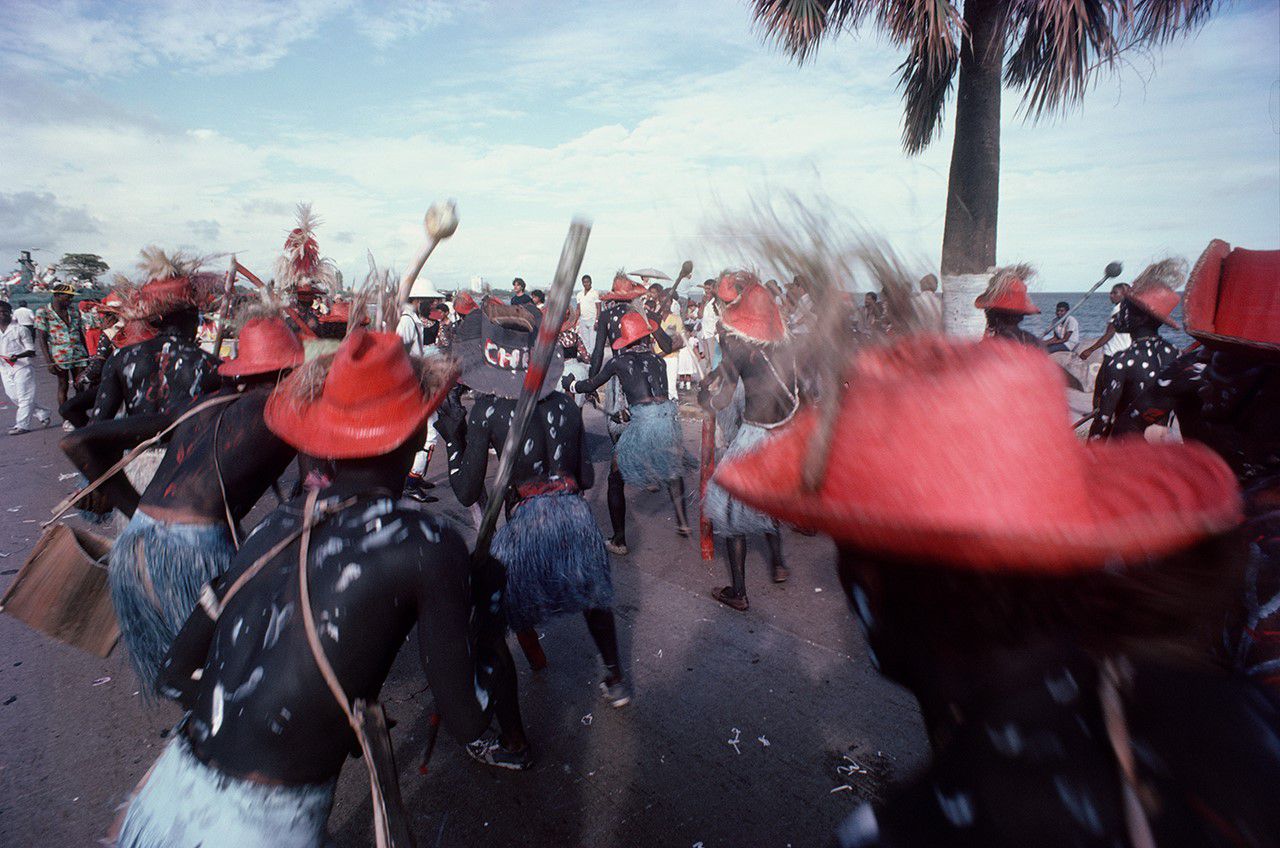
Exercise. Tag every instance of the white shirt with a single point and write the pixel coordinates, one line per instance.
(16, 339)
(24, 316)
(1118, 341)
(410, 331)
(589, 308)
(1067, 331)
(710, 319)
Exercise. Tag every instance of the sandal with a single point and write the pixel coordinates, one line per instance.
(725, 596)
(617, 548)
(781, 574)
(682, 530)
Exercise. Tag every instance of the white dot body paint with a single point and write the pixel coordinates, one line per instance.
(350, 573)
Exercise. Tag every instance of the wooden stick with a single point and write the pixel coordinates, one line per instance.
(441, 221)
(224, 314)
(575, 247)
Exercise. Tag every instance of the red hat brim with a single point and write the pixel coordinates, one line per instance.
(1147, 500)
(1154, 310)
(631, 338)
(247, 366)
(328, 431)
(630, 291)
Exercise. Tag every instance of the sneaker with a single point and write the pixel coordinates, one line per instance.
(616, 694)
(488, 751)
(18, 431)
(617, 548)
(68, 427)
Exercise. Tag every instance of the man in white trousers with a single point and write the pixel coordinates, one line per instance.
(17, 349)
(419, 332)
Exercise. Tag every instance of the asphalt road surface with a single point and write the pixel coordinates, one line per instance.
(788, 682)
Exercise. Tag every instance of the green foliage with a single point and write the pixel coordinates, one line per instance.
(85, 266)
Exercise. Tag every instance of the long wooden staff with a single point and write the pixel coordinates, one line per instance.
(575, 246)
(224, 314)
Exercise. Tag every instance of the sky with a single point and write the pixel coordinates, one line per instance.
(200, 126)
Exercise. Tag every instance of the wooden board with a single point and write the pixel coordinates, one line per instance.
(62, 590)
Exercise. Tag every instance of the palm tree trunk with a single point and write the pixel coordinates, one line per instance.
(973, 188)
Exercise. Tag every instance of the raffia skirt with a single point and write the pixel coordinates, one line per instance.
(650, 450)
(555, 559)
(730, 516)
(187, 803)
(155, 573)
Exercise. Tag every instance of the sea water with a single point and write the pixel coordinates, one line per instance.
(1092, 315)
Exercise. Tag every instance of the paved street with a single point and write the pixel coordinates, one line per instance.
(788, 681)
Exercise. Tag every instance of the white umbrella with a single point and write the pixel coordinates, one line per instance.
(650, 274)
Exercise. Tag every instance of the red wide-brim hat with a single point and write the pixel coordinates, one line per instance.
(634, 327)
(624, 289)
(264, 345)
(1233, 297)
(1157, 300)
(164, 297)
(962, 453)
(1011, 297)
(732, 284)
(373, 399)
(754, 316)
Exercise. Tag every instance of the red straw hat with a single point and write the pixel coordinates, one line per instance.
(926, 466)
(754, 316)
(1011, 296)
(625, 289)
(464, 303)
(372, 400)
(265, 345)
(1233, 296)
(634, 328)
(158, 298)
(732, 283)
(1157, 300)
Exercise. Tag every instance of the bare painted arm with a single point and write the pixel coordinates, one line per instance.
(97, 447)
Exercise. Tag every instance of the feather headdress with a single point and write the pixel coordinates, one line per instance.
(1171, 272)
(300, 262)
(169, 282)
(156, 265)
(1005, 277)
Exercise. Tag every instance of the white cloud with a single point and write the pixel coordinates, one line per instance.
(603, 109)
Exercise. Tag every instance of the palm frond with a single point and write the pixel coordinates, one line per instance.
(1158, 21)
(932, 30)
(798, 26)
(1056, 47)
